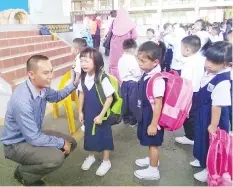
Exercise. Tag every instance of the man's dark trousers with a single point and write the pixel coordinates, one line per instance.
(36, 162)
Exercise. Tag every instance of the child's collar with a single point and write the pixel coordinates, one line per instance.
(156, 69)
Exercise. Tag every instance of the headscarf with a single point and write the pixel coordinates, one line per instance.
(122, 24)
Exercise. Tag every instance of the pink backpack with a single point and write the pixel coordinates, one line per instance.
(177, 100)
(219, 159)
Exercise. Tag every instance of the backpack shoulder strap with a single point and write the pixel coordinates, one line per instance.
(99, 87)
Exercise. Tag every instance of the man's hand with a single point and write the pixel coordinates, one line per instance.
(67, 147)
(76, 79)
(152, 130)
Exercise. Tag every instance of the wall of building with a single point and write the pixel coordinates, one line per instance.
(49, 11)
(12, 4)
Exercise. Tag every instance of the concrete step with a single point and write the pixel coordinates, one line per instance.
(19, 71)
(8, 42)
(19, 59)
(59, 70)
(15, 34)
(15, 50)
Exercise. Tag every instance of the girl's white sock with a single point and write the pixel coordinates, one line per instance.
(152, 169)
(92, 156)
(106, 161)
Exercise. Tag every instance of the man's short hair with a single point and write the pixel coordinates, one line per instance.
(193, 42)
(129, 44)
(33, 61)
(81, 42)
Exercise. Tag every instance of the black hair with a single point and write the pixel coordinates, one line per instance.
(193, 42)
(229, 32)
(129, 44)
(151, 30)
(33, 61)
(206, 46)
(184, 27)
(219, 52)
(113, 13)
(229, 25)
(153, 51)
(222, 24)
(81, 42)
(216, 29)
(98, 60)
(203, 24)
(166, 25)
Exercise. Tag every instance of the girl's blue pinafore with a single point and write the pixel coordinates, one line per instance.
(144, 117)
(102, 140)
(203, 118)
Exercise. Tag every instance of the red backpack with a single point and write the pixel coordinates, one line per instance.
(219, 159)
(177, 100)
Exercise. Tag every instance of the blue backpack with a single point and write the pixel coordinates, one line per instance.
(45, 31)
(85, 33)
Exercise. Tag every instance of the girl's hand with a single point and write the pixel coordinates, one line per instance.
(81, 118)
(152, 130)
(98, 120)
(212, 129)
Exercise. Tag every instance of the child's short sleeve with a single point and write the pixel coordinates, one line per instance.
(159, 88)
(221, 95)
(107, 87)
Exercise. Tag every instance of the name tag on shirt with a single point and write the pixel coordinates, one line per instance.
(210, 87)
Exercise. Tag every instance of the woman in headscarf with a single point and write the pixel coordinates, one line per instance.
(123, 28)
(95, 31)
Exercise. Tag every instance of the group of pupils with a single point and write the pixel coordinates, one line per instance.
(211, 83)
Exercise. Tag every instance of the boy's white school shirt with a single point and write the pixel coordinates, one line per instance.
(193, 69)
(221, 95)
(159, 84)
(90, 81)
(128, 68)
(77, 68)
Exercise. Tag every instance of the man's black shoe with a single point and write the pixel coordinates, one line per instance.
(21, 181)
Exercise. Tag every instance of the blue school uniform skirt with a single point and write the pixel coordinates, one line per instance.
(129, 96)
(102, 139)
(230, 108)
(144, 117)
(203, 119)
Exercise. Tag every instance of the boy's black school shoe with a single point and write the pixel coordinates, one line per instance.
(21, 181)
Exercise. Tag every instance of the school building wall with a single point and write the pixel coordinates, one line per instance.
(49, 11)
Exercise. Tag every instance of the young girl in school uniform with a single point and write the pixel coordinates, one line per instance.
(213, 101)
(92, 112)
(150, 55)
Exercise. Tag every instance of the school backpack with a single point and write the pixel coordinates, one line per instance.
(219, 159)
(86, 35)
(177, 99)
(114, 112)
(45, 31)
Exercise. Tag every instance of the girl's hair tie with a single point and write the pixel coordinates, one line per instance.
(157, 43)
